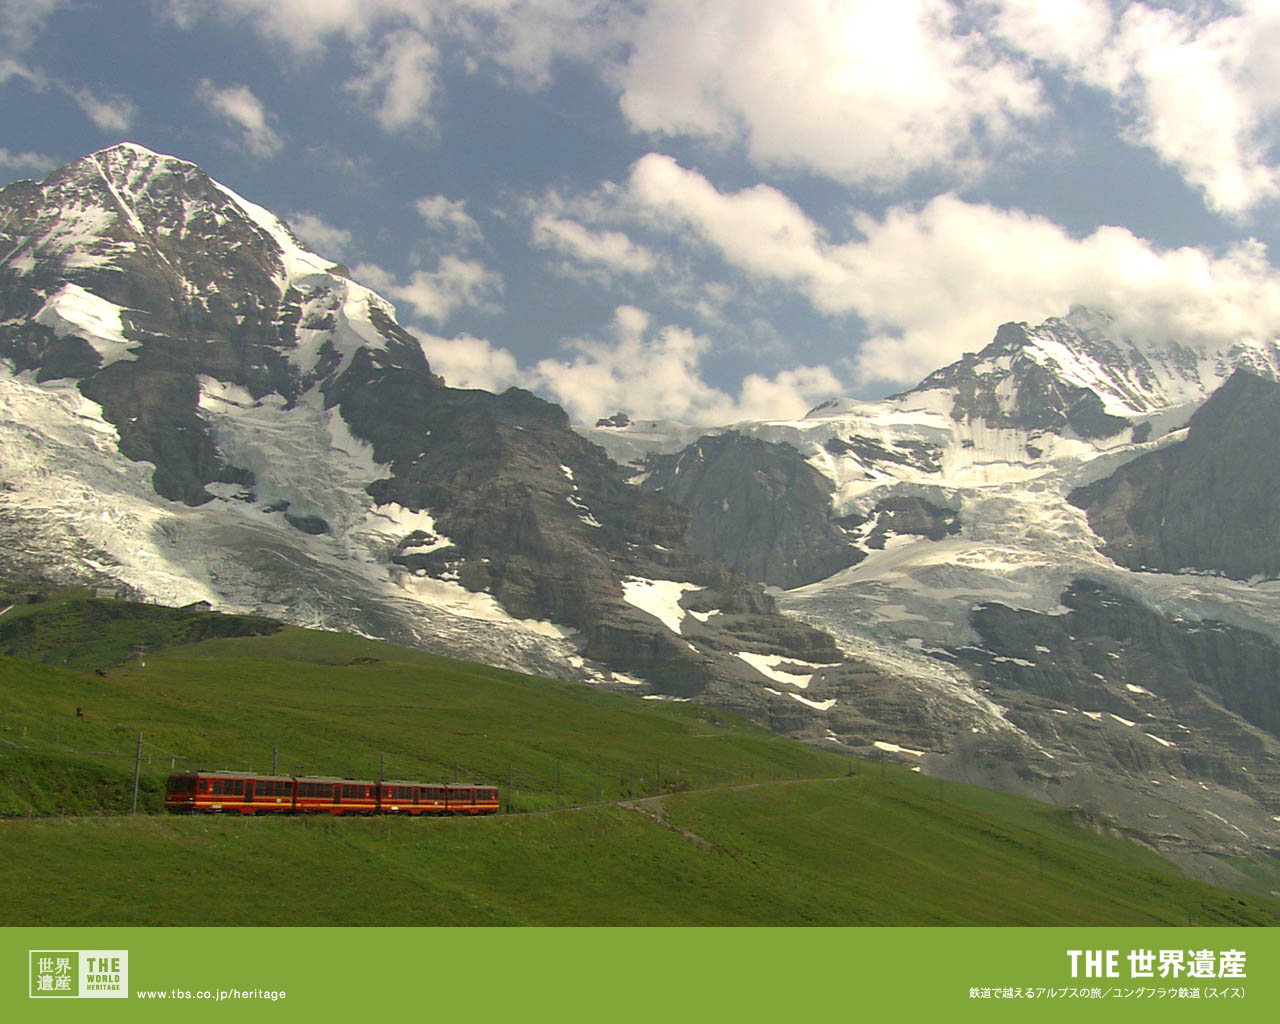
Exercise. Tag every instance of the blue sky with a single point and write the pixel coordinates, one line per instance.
(707, 209)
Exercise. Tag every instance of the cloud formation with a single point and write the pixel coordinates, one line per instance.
(448, 217)
(868, 92)
(241, 109)
(319, 235)
(435, 295)
(872, 92)
(27, 162)
(649, 372)
(932, 282)
(593, 249)
(400, 80)
(109, 113)
(1200, 85)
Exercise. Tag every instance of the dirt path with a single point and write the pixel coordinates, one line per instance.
(653, 810)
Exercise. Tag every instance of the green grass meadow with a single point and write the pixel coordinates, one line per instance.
(626, 812)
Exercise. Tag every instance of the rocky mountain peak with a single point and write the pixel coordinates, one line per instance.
(140, 277)
(1082, 375)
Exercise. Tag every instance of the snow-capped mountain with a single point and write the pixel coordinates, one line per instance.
(195, 406)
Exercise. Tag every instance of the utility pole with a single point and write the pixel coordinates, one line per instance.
(382, 768)
(275, 760)
(137, 771)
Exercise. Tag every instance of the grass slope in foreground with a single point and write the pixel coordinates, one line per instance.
(697, 818)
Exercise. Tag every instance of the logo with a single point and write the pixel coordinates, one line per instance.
(79, 973)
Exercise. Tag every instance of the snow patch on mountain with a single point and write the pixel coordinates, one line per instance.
(659, 598)
(770, 665)
(73, 310)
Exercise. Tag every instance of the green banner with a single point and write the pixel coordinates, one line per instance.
(668, 974)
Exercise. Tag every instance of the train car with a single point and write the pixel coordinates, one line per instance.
(412, 798)
(221, 792)
(319, 795)
(471, 799)
(246, 793)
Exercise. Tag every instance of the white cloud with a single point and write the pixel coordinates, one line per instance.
(242, 109)
(867, 92)
(1200, 86)
(108, 113)
(650, 373)
(35, 163)
(400, 80)
(305, 27)
(319, 235)
(656, 374)
(611, 250)
(1206, 97)
(468, 362)
(758, 229)
(932, 283)
(1063, 32)
(23, 21)
(457, 283)
(448, 216)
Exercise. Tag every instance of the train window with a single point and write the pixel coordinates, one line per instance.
(217, 787)
(239, 787)
(286, 788)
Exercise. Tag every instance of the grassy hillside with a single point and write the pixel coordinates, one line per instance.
(689, 816)
(331, 704)
(853, 851)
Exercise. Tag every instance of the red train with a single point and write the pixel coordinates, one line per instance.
(232, 792)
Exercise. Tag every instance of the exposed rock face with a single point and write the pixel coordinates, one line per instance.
(1042, 399)
(1211, 502)
(911, 515)
(1181, 711)
(756, 506)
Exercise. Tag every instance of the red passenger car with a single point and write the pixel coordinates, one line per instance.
(245, 793)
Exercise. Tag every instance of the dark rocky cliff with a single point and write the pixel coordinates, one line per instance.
(1211, 502)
